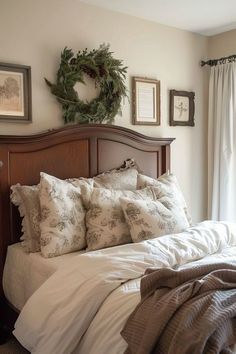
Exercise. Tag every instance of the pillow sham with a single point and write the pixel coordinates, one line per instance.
(123, 179)
(150, 219)
(85, 186)
(167, 185)
(27, 200)
(106, 225)
(62, 222)
(127, 164)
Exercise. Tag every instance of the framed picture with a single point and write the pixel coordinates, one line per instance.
(145, 101)
(15, 93)
(182, 108)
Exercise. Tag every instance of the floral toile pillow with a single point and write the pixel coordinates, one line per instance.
(121, 179)
(85, 186)
(106, 225)
(149, 219)
(27, 200)
(167, 185)
(62, 217)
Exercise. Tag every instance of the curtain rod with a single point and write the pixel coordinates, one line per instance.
(224, 60)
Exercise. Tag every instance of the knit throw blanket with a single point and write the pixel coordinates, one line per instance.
(188, 311)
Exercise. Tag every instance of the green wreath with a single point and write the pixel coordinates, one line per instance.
(107, 72)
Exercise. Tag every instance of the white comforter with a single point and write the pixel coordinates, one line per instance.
(83, 307)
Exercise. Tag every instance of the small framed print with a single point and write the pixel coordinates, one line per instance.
(182, 108)
(15, 93)
(146, 101)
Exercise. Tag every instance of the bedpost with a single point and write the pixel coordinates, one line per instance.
(165, 165)
(5, 234)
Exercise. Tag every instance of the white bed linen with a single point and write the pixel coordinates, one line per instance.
(25, 272)
(103, 334)
(82, 307)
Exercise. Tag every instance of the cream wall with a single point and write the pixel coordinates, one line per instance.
(223, 44)
(34, 32)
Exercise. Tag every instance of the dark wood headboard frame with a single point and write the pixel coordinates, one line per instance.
(72, 151)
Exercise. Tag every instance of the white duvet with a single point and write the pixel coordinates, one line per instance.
(83, 307)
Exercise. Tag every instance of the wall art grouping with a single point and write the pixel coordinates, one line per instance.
(109, 75)
(146, 104)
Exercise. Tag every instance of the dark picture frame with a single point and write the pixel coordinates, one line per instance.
(182, 108)
(15, 93)
(145, 101)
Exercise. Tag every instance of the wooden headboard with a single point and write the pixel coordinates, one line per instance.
(72, 151)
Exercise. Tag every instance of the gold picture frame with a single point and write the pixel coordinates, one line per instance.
(145, 101)
(15, 93)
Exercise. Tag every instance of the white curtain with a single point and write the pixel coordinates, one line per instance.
(222, 143)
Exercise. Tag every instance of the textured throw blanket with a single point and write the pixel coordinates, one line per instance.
(191, 311)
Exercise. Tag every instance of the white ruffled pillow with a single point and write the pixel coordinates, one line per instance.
(27, 200)
(126, 179)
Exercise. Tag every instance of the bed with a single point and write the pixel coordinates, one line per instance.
(72, 151)
(59, 312)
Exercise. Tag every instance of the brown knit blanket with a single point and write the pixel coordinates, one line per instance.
(190, 311)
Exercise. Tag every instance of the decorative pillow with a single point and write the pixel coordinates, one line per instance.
(62, 217)
(128, 163)
(150, 219)
(105, 220)
(167, 185)
(27, 200)
(85, 186)
(126, 179)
